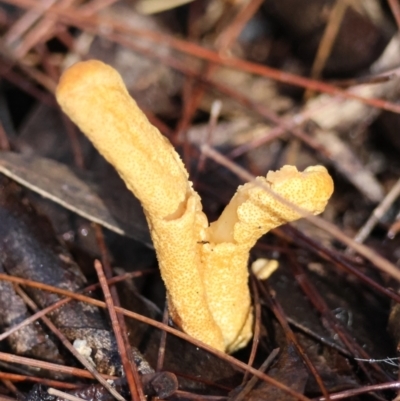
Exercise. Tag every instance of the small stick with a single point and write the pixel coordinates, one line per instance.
(376, 215)
(63, 394)
(136, 394)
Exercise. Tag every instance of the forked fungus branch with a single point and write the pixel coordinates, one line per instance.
(204, 266)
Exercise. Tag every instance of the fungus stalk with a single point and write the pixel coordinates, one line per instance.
(203, 267)
(251, 213)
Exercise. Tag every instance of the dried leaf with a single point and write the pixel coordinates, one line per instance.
(117, 210)
(30, 250)
(30, 340)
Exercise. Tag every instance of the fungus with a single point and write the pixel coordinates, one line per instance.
(203, 267)
(263, 268)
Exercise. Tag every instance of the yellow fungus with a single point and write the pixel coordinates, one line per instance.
(263, 268)
(204, 267)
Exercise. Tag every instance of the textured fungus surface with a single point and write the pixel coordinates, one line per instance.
(204, 268)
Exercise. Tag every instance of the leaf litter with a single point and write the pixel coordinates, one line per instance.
(175, 83)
